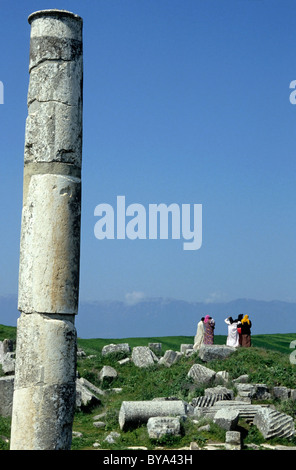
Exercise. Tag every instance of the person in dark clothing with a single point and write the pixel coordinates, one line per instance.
(246, 331)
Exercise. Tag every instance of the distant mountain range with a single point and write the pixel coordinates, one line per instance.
(166, 317)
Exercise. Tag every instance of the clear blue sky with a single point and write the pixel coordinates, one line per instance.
(184, 102)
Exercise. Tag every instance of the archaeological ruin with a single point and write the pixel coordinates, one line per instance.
(50, 236)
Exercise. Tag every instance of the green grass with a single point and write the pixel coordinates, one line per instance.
(4, 433)
(168, 342)
(7, 332)
(268, 361)
(276, 342)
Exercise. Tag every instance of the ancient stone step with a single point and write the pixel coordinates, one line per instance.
(212, 395)
(246, 410)
(272, 423)
(281, 425)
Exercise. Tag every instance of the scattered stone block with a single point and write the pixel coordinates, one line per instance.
(203, 401)
(142, 356)
(246, 411)
(201, 375)
(170, 357)
(137, 447)
(6, 395)
(6, 346)
(99, 424)
(86, 383)
(247, 392)
(99, 416)
(221, 393)
(114, 390)
(80, 353)
(107, 374)
(262, 392)
(156, 347)
(85, 399)
(227, 418)
(112, 437)
(222, 377)
(282, 393)
(124, 361)
(242, 379)
(189, 352)
(185, 347)
(8, 363)
(206, 427)
(160, 426)
(210, 352)
(271, 423)
(233, 440)
(211, 396)
(135, 413)
(194, 446)
(115, 348)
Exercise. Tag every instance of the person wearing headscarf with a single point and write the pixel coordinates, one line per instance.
(199, 337)
(246, 331)
(239, 325)
(209, 325)
(233, 336)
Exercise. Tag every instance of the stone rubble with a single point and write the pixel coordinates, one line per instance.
(163, 415)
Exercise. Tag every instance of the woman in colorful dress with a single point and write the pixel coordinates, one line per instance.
(239, 325)
(209, 325)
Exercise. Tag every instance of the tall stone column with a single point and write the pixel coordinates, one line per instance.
(44, 393)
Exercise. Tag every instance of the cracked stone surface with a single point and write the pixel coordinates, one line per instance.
(44, 394)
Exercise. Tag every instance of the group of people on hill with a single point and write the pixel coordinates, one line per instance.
(239, 331)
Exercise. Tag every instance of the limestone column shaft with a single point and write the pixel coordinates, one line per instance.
(44, 393)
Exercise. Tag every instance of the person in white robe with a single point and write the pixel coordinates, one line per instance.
(233, 336)
(198, 339)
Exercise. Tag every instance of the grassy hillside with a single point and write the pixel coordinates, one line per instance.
(264, 365)
(8, 332)
(268, 361)
(276, 342)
